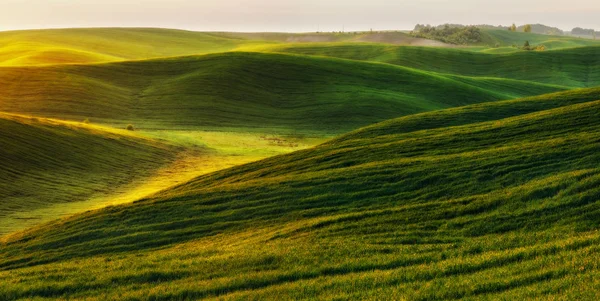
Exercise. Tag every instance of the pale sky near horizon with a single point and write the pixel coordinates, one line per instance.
(293, 15)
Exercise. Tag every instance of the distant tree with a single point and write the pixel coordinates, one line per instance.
(527, 28)
(513, 27)
(582, 31)
(448, 33)
(130, 127)
(87, 120)
(526, 46)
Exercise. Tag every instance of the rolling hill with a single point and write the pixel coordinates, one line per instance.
(248, 91)
(95, 45)
(491, 201)
(460, 172)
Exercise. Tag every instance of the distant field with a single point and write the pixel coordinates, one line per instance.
(493, 201)
(94, 45)
(97, 45)
(507, 38)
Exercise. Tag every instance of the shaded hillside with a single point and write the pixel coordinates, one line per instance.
(46, 162)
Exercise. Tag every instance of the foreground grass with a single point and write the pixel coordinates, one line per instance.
(492, 201)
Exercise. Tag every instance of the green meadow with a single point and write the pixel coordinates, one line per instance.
(307, 166)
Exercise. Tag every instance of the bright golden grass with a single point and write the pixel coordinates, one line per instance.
(196, 153)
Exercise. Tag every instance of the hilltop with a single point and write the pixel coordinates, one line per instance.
(96, 45)
(100, 45)
(475, 203)
(573, 67)
(50, 165)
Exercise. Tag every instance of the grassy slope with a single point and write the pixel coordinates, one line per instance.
(507, 38)
(495, 200)
(502, 41)
(93, 45)
(576, 67)
(47, 162)
(245, 90)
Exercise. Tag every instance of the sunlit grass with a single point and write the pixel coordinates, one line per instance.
(98, 45)
(185, 155)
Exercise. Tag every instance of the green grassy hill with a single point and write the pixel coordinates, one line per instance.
(98, 45)
(576, 67)
(491, 201)
(48, 163)
(245, 91)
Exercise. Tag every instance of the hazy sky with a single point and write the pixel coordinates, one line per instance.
(293, 15)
